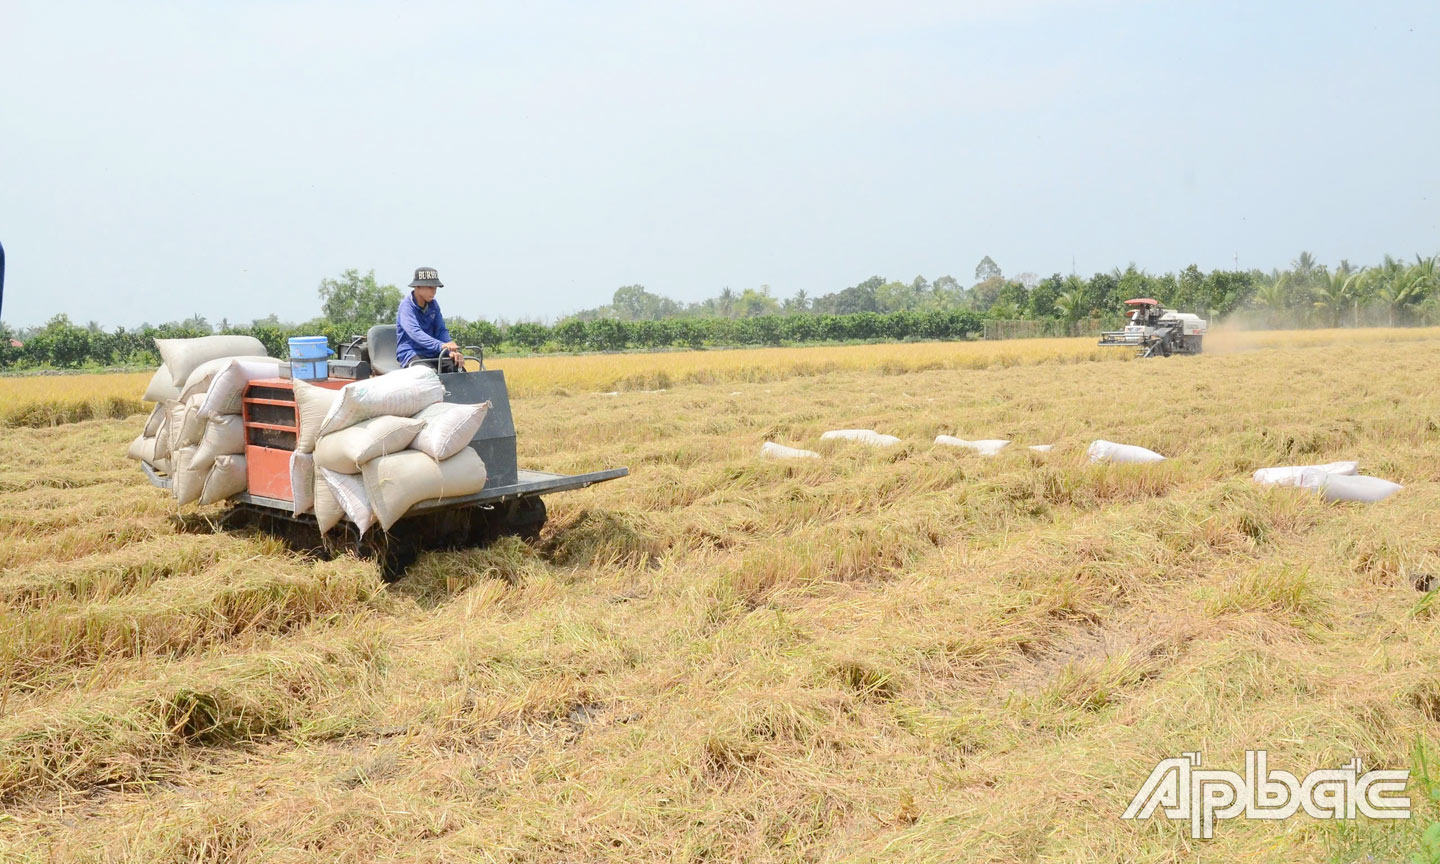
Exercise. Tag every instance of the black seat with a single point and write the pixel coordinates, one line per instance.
(381, 343)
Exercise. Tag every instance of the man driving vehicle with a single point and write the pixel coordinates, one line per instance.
(420, 331)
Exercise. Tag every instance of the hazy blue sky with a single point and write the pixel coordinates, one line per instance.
(222, 157)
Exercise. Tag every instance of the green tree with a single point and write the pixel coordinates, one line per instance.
(987, 269)
(894, 297)
(1011, 301)
(947, 292)
(634, 303)
(571, 334)
(1101, 295)
(1189, 290)
(197, 323)
(985, 293)
(606, 334)
(1043, 297)
(527, 335)
(9, 353)
(59, 343)
(356, 301)
(725, 303)
(1134, 282)
(852, 300)
(1222, 291)
(752, 303)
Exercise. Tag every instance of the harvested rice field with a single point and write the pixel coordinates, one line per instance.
(910, 653)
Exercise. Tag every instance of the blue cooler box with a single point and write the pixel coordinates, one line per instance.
(309, 358)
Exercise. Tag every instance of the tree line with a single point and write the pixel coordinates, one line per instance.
(1391, 293)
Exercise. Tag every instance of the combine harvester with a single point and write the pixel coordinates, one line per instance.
(1156, 331)
(509, 504)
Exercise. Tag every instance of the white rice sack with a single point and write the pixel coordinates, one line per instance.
(302, 483)
(204, 376)
(162, 432)
(863, 436)
(161, 464)
(1289, 475)
(312, 403)
(142, 449)
(174, 423)
(401, 393)
(327, 508)
(225, 479)
(448, 428)
(161, 388)
(986, 447)
(397, 483)
(1128, 454)
(192, 427)
(1042, 448)
(225, 386)
(349, 491)
(771, 450)
(348, 450)
(185, 483)
(183, 356)
(1346, 487)
(152, 424)
(223, 436)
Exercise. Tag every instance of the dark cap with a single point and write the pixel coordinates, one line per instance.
(426, 277)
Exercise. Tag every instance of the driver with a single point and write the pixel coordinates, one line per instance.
(420, 330)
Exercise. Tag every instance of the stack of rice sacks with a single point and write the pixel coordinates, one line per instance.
(195, 434)
(374, 448)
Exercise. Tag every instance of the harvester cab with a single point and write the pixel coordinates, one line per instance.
(1156, 331)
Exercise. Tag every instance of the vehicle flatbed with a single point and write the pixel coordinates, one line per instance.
(528, 483)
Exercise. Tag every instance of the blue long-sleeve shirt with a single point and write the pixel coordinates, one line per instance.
(419, 332)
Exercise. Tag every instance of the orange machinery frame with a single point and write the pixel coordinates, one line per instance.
(267, 467)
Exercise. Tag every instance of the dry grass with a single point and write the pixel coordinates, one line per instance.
(905, 654)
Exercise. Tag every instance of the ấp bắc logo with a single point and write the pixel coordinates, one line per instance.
(1184, 790)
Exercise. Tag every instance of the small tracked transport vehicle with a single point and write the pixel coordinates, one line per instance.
(510, 503)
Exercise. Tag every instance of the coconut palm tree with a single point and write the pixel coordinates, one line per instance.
(1430, 309)
(1273, 296)
(1404, 290)
(1377, 284)
(1067, 303)
(1305, 267)
(1336, 291)
(1429, 269)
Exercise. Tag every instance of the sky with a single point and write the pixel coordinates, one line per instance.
(159, 160)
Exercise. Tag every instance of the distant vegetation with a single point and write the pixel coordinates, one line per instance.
(1308, 294)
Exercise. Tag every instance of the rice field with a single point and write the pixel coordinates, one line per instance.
(47, 400)
(913, 653)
